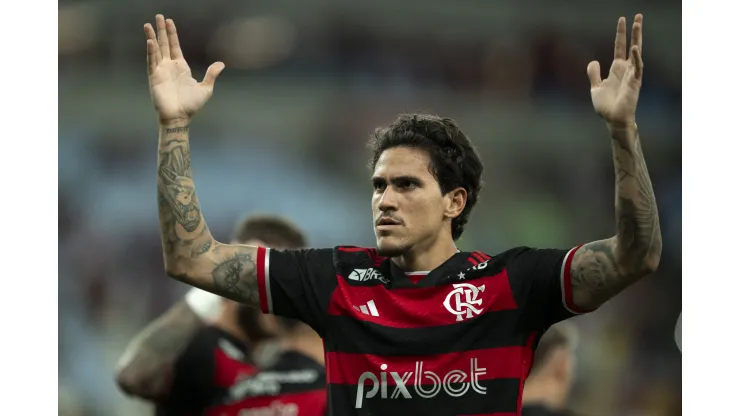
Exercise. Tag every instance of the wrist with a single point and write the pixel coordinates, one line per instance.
(174, 122)
(623, 131)
(621, 126)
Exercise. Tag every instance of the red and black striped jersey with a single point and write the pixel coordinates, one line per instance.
(458, 341)
(212, 363)
(295, 385)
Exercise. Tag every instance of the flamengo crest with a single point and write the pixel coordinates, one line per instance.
(463, 300)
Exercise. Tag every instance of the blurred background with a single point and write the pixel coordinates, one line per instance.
(305, 84)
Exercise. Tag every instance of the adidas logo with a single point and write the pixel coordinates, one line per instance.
(368, 309)
(363, 275)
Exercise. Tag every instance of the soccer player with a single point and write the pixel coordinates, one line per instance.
(294, 385)
(193, 353)
(413, 326)
(548, 386)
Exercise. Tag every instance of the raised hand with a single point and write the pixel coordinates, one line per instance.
(177, 96)
(615, 98)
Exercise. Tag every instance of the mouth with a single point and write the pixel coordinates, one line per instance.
(387, 224)
(387, 221)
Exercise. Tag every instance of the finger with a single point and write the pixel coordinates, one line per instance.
(636, 34)
(638, 19)
(636, 60)
(151, 55)
(150, 35)
(594, 73)
(620, 43)
(213, 72)
(175, 51)
(164, 44)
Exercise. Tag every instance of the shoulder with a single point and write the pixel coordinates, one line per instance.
(499, 261)
(358, 254)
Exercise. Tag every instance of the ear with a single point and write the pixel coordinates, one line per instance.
(455, 201)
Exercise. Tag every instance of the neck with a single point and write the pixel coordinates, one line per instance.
(548, 393)
(229, 322)
(427, 257)
(305, 342)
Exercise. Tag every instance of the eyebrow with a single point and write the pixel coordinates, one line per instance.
(407, 178)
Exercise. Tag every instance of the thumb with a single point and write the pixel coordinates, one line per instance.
(594, 73)
(213, 72)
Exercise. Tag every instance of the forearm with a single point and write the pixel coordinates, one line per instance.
(191, 254)
(602, 269)
(146, 367)
(638, 240)
(184, 232)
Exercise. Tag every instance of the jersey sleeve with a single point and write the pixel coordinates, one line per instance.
(297, 284)
(541, 282)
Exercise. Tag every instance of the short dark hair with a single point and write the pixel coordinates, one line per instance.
(561, 335)
(272, 230)
(455, 163)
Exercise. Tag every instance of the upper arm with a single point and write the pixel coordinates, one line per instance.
(296, 284)
(292, 283)
(228, 270)
(597, 275)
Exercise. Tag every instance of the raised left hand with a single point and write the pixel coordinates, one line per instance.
(615, 98)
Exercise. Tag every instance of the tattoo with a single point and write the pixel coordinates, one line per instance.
(638, 225)
(179, 211)
(603, 268)
(191, 254)
(177, 130)
(203, 249)
(236, 277)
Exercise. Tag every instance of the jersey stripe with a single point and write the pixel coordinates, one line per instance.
(526, 367)
(499, 399)
(490, 330)
(263, 279)
(424, 306)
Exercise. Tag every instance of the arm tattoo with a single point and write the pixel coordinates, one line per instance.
(179, 211)
(236, 277)
(147, 365)
(603, 268)
(190, 252)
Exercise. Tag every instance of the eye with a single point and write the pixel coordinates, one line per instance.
(378, 185)
(406, 184)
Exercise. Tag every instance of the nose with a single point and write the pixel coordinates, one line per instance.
(388, 201)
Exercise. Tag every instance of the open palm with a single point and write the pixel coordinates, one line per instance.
(615, 98)
(175, 93)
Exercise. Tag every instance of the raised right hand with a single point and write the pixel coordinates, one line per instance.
(177, 96)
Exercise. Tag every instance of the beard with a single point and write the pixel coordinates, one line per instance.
(393, 250)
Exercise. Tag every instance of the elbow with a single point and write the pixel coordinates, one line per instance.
(130, 381)
(176, 269)
(652, 262)
(133, 382)
(655, 250)
(639, 265)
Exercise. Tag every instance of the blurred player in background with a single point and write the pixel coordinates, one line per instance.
(190, 355)
(295, 384)
(414, 325)
(548, 386)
